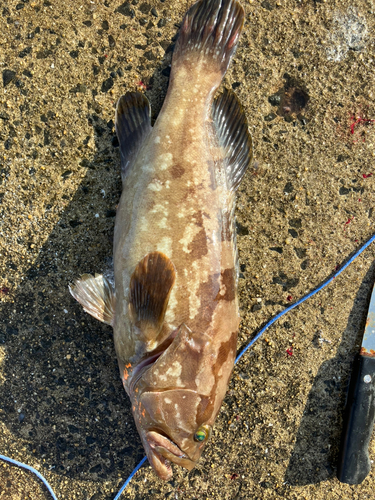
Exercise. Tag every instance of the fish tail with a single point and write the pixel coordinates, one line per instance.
(208, 38)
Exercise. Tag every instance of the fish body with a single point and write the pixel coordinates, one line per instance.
(174, 309)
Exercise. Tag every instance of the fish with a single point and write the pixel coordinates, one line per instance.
(174, 305)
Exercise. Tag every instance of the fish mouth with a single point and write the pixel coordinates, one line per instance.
(162, 451)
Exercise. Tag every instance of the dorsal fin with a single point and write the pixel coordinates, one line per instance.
(96, 296)
(233, 135)
(150, 286)
(133, 124)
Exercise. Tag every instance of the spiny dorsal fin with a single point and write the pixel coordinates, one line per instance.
(150, 286)
(133, 124)
(96, 296)
(233, 135)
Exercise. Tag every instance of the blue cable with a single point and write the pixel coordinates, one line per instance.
(259, 334)
(310, 294)
(130, 477)
(31, 469)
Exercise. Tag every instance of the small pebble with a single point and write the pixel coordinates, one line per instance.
(274, 100)
(269, 117)
(8, 76)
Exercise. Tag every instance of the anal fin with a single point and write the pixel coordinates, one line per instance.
(150, 286)
(96, 296)
(133, 124)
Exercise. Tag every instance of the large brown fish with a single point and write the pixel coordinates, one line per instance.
(174, 310)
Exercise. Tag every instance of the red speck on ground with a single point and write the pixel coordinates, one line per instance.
(360, 123)
(357, 120)
(348, 222)
(289, 298)
(365, 176)
(143, 85)
(234, 476)
(4, 290)
(289, 351)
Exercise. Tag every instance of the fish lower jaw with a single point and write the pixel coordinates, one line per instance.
(163, 452)
(161, 465)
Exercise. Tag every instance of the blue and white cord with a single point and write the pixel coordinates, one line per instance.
(31, 469)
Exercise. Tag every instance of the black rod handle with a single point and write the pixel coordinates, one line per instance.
(359, 417)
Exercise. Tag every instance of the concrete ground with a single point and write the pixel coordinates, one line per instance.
(304, 72)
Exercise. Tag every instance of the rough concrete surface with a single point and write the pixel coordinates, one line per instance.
(304, 71)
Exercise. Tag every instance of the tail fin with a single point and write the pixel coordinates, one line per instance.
(209, 34)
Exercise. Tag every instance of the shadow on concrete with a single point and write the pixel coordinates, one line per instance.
(315, 452)
(62, 398)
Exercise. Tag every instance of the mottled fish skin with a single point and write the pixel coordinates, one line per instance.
(175, 260)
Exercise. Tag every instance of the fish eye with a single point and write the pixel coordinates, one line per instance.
(203, 433)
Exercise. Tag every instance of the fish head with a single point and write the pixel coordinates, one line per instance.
(176, 399)
(173, 428)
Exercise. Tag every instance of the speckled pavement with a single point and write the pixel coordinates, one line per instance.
(304, 72)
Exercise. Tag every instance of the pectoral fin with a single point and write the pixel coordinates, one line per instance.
(150, 287)
(96, 296)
